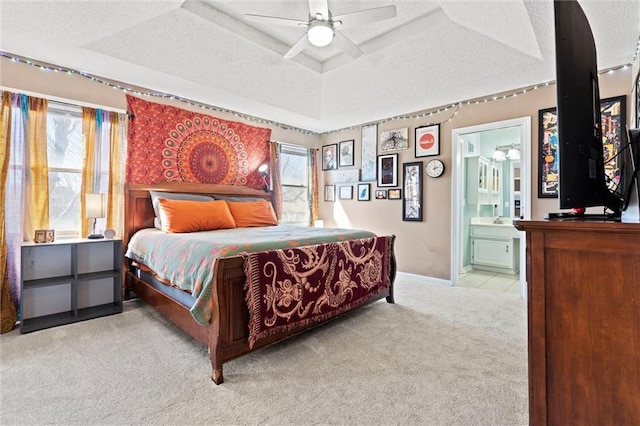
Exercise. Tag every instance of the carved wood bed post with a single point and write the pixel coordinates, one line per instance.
(390, 298)
(214, 329)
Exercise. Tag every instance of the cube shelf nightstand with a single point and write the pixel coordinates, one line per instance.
(68, 281)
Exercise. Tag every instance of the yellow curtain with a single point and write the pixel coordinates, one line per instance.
(313, 193)
(274, 170)
(115, 202)
(89, 164)
(8, 314)
(37, 185)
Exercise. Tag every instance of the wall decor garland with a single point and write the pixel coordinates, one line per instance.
(456, 106)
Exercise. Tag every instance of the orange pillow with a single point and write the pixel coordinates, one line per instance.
(191, 216)
(253, 213)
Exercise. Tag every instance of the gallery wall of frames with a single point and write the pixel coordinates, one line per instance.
(381, 176)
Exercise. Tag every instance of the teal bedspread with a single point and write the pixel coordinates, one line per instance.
(186, 260)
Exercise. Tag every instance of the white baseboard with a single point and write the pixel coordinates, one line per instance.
(425, 279)
(466, 269)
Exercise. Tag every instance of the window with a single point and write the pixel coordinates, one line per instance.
(65, 152)
(294, 171)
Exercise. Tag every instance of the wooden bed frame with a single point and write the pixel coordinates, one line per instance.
(227, 334)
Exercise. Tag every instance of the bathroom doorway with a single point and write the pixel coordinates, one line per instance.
(491, 187)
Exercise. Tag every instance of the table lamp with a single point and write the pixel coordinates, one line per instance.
(264, 171)
(95, 207)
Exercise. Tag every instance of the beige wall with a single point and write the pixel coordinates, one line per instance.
(424, 248)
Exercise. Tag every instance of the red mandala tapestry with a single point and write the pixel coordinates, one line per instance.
(166, 143)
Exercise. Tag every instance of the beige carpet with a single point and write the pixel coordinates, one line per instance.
(439, 356)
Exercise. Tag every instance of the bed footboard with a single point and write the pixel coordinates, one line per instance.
(227, 335)
(229, 328)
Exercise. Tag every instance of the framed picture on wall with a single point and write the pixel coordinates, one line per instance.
(330, 157)
(394, 140)
(395, 194)
(427, 140)
(613, 115)
(381, 194)
(412, 184)
(369, 152)
(548, 153)
(388, 170)
(614, 132)
(330, 193)
(346, 153)
(364, 191)
(346, 192)
(637, 102)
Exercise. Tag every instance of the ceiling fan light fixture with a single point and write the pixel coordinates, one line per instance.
(320, 33)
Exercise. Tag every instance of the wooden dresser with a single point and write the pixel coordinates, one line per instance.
(584, 322)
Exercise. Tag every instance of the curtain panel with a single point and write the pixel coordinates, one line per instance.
(276, 182)
(8, 314)
(313, 190)
(115, 192)
(37, 183)
(88, 165)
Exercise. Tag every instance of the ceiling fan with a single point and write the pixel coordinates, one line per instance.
(322, 26)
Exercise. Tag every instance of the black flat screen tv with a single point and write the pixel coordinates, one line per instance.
(582, 178)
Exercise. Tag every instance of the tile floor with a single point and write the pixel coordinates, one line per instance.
(505, 283)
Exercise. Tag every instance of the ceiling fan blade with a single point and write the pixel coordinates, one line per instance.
(273, 20)
(319, 7)
(298, 47)
(343, 43)
(362, 17)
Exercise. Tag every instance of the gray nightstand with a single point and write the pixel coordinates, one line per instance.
(68, 281)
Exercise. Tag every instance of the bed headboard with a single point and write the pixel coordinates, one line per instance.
(138, 210)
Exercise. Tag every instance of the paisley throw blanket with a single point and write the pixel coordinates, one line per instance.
(289, 288)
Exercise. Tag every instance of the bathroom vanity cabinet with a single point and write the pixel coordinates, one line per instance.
(495, 247)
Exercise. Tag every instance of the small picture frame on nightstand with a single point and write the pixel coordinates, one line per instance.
(44, 236)
(40, 236)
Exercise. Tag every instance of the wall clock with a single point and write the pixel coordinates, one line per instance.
(435, 168)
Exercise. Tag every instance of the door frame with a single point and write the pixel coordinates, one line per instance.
(457, 190)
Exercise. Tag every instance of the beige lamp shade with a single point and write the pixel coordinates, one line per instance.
(95, 206)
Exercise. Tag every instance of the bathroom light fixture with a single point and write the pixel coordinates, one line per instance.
(320, 33)
(513, 153)
(498, 155)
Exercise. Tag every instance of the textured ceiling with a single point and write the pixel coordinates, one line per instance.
(433, 53)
